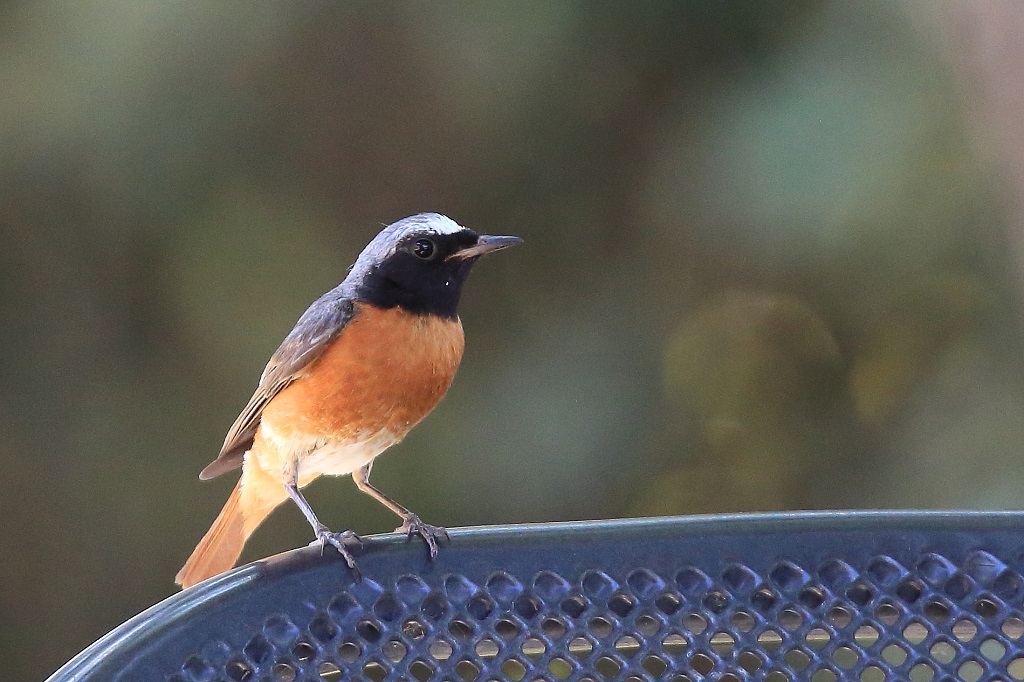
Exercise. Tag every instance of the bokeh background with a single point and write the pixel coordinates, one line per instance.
(772, 261)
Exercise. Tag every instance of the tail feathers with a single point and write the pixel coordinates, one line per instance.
(222, 545)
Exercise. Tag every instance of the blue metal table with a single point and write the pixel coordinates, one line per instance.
(819, 596)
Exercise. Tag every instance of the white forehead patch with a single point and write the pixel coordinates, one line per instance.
(388, 239)
(437, 223)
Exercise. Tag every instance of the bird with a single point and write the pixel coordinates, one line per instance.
(363, 365)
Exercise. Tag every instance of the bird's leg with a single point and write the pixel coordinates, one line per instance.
(411, 523)
(324, 536)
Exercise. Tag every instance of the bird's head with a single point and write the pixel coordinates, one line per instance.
(420, 264)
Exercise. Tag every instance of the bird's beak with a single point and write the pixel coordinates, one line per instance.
(485, 244)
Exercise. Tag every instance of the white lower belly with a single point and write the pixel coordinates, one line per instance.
(317, 456)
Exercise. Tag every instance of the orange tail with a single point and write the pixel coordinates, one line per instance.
(222, 545)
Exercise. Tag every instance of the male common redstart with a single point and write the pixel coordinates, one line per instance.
(363, 365)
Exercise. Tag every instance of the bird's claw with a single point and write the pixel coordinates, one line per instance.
(341, 542)
(413, 525)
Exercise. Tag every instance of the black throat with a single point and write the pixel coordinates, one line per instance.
(406, 284)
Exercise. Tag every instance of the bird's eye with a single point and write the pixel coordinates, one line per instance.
(423, 248)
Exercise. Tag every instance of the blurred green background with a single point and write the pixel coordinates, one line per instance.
(771, 262)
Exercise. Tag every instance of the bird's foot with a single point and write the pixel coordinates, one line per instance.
(413, 525)
(341, 542)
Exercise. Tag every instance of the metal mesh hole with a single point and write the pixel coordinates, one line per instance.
(743, 621)
(323, 629)
(894, 655)
(560, 668)
(791, 619)
(965, 630)
(824, 675)
(388, 608)
(580, 647)
(937, 612)
(860, 594)
(480, 607)
(527, 607)
(915, 633)
(284, 672)
(258, 649)
(909, 591)
(887, 613)
(434, 607)
(959, 586)
(238, 671)
(763, 600)
(1008, 584)
(487, 648)
(374, 671)
(922, 672)
(812, 597)
(817, 638)
(739, 578)
(845, 657)
(655, 665)
(1013, 627)
(1016, 668)
(872, 673)
(441, 650)
(328, 671)
(723, 643)
(369, 631)
(674, 644)
(627, 646)
(506, 629)
(668, 603)
(992, 649)
(534, 648)
(866, 636)
(621, 605)
(797, 659)
(702, 663)
(574, 606)
(421, 670)
(394, 650)
(513, 669)
(303, 651)
(607, 667)
(884, 570)
(729, 677)
(750, 661)
(467, 670)
(986, 608)
(715, 601)
(460, 629)
(349, 651)
(648, 625)
(553, 628)
(777, 676)
(770, 641)
(943, 652)
(414, 630)
(839, 617)
(600, 627)
(695, 623)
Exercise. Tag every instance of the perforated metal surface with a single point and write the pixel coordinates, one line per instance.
(822, 597)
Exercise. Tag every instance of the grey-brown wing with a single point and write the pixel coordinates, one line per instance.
(317, 327)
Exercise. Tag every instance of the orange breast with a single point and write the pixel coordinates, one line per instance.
(384, 372)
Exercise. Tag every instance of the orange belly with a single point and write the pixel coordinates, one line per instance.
(383, 373)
